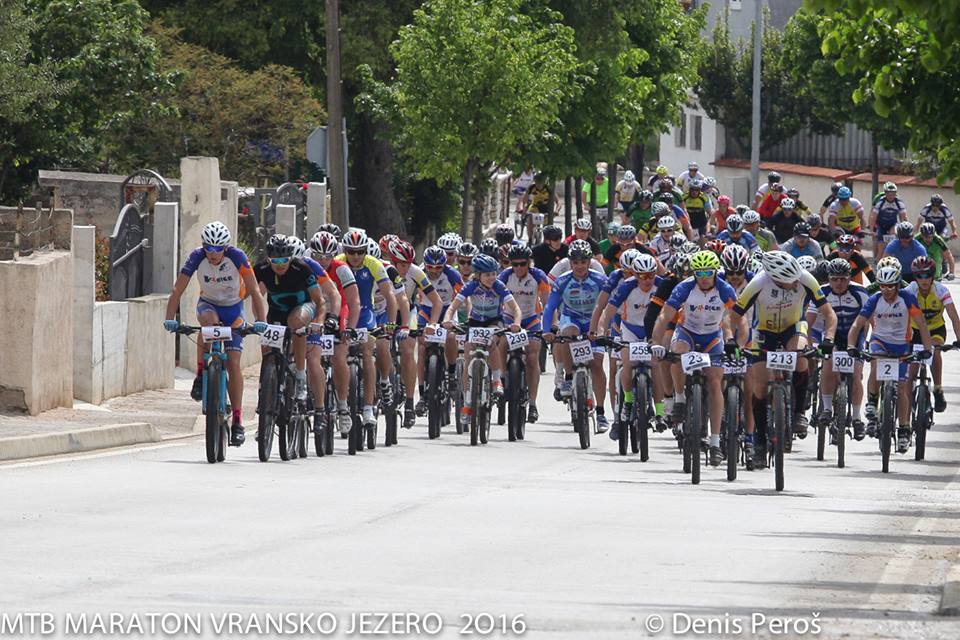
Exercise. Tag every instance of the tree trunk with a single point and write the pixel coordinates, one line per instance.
(553, 192)
(465, 206)
(635, 160)
(611, 197)
(481, 191)
(578, 189)
(874, 168)
(568, 205)
(374, 199)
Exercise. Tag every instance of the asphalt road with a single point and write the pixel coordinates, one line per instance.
(584, 544)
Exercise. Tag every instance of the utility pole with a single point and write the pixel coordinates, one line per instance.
(335, 146)
(755, 132)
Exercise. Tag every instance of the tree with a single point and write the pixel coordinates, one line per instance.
(474, 82)
(726, 86)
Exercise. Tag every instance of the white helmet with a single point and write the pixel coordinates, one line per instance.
(215, 234)
(788, 203)
(325, 244)
(781, 266)
(666, 222)
(373, 248)
(626, 258)
(889, 274)
(584, 223)
(628, 176)
(807, 263)
(449, 241)
(299, 249)
(644, 263)
(750, 216)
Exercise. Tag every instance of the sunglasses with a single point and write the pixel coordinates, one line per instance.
(889, 286)
(736, 273)
(356, 252)
(279, 261)
(209, 248)
(435, 267)
(579, 261)
(705, 273)
(464, 263)
(925, 275)
(646, 276)
(839, 278)
(520, 264)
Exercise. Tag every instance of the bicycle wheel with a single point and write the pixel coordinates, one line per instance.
(732, 409)
(329, 406)
(371, 433)
(303, 427)
(434, 404)
(268, 406)
(778, 404)
(921, 421)
(696, 421)
(841, 417)
(822, 428)
(214, 417)
(355, 437)
(581, 419)
(457, 392)
(640, 425)
(623, 438)
(514, 392)
(287, 425)
(887, 424)
(477, 372)
(485, 411)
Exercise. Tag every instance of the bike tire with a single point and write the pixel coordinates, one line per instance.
(214, 428)
(779, 425)
(458, 396)
(514, 393)
(921, 422)
(268, 406)
(486, 410)
(303, 428)
(356, 428)
(887, 428)
(371, 433)
(582, 418)
(732, 425)
(476, 390)
(330, 407)
(640, 432)
(822, 428)
(502, 409)
(841, 416)
(287, 427)
(696, 421)
(434, 406)
(623, 438)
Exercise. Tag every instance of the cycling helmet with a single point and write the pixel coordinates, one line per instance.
(846, 242)
(835, 187)
(904, 230)
(922, 266)
(666, 222)
(583, 223)
(662, 171)
(788, 203)
(626, 232)
(278, 247)
(354, 239)
(793, 192)
(889, 274)
(839, 267)
(735, 258)
(927, 229)
(693, 166)
(552, 232)
(626, 258)
(756, 254)
(750, 216)
(696, 184)
(724, 201)
(484, 264)
(801, 229)
(646, 195)
(385, 241)
(667, 197)
(299, 249)
(215, 234)
(690, 247)
(331, 229)
(710, 182)
(734, 223)
(489, 246)
(613, 228)
(776, 186)
(807, 263)
(449, 242)
(677, 242)
(781, 266)
(660, 209)
(844, 193)
(325, 244)
(702, 260)
(681, 264)
(628, 176)
(402, 251)
(580, 250)
(936, 199)
(504, 234)
(888, 261)
(467, 250)
(742, 209)
(773, 176)
(434, 256)
(643, 263)
(890, 187)
(814, 220)
(520, 252)
(717, 246)
(756, 265)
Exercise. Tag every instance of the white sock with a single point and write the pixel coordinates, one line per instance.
(496, 376)
(681, 398)
(714, 439)
(827, 401)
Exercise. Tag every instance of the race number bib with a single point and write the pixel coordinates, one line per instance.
(842, 362)
(538, 218)
(735, 367)
(481, 335)
(640, 352)
(461, 339)
(694, 361)
(326, 345)
(439, 336)
(928, 361)
(517, 340)
(363, 335)
(887, 239)
(888, 370)
(216, 334)
(581, 352)
(273, 336)
(782, 361)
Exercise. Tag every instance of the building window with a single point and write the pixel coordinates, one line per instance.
(696, 132)
(736, 5)
(680, 133)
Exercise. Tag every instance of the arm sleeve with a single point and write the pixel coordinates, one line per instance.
(556, 297)
(193, 261)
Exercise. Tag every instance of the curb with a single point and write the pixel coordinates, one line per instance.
(950, 598)
(50, 444)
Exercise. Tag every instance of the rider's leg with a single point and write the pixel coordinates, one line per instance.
(341, 374)
(369, 373)
(599, 381)
(235, 381)
(408, 366)
(715, 393)
(316, 375)
(532, 369)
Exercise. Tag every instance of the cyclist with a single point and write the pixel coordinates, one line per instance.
(581, 231)
(642, 210)
(686, 179)
(933, 299)
(552, 250)
(801, 244)
(574, 296)
(845, 214)
(449, 242)
(626, 239)
(628, 194)
(612, 229)
(699, 209)
(369, 274)
(564, 265)
(819, 232)
(537, 199)
(382, 349)
(735, 261)
(779, 295)
(846, 299)
(530, 287)
(784, 220)
(771, 202)
(325, 247)
(801, 207)
(847, 249)
(772, 178)
(705, 327)
(829, 200)
(668, 193)
(939, 214)
(489, 299)
(763, 236)
(662, 244)
(225, 278)
(937, 249)
(736, 233)
(905, 249)
(888, 210)
(890, 313)
(718, 221)
(465, 255)
(660, 173)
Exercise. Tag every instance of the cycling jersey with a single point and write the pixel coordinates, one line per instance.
(447, 284)
(935, 251)
(379, 301)
(777, 309)
(594, 245)
(932, 304)
(905, 254)
(938, 216)
(765, 239)
(640, 218)
(846, 305)
(417, 280)
(220, 285)
(545, 258)
(288, 291)
(538, 198)
(602, 195)
(782, 225)
(697, 207)
(686, 178)
(574, 298)
(745, 239)
(632, 301)
(661, 248)
(627, 192)
(611, 258)
(769, 204)
(564, 265)
(888, 214)
(342, 277)
(858, 265)
(812, 249)
(526, 290)
(370, 273)
(485, 304)
(701, 311)
(891, 320)
(847, 214)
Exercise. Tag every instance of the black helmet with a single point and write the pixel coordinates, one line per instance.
(504, 234)
(936, 199)
(836, 187)
(520, 252)
(490, 247)
(332, 228)
(839, 267)
(646, 195)
(279, 247)
(552, 232)
(801, 229)
(742, 209)
(666, 197)
(773, 176)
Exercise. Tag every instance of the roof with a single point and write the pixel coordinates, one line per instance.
(830, 173)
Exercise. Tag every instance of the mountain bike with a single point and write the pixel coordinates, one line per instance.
(734, 417)
(435, 380)
(840, 424)
(694, 428)
(921, 407)
(515, 391)
(581, 401)
(479, 397)
(278, 405)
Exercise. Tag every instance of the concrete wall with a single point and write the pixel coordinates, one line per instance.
(36, 346)
(676, 157)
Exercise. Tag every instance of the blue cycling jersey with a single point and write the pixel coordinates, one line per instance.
(613, 281)
(905, 255)
(746, 239)
(485, 303)
(577, 297)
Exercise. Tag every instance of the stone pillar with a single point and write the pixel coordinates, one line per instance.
(87, 385)
(316, 207)
(166, 227)
(287, 219)
(228, 206)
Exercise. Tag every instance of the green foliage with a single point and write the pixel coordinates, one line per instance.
(23, 83)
